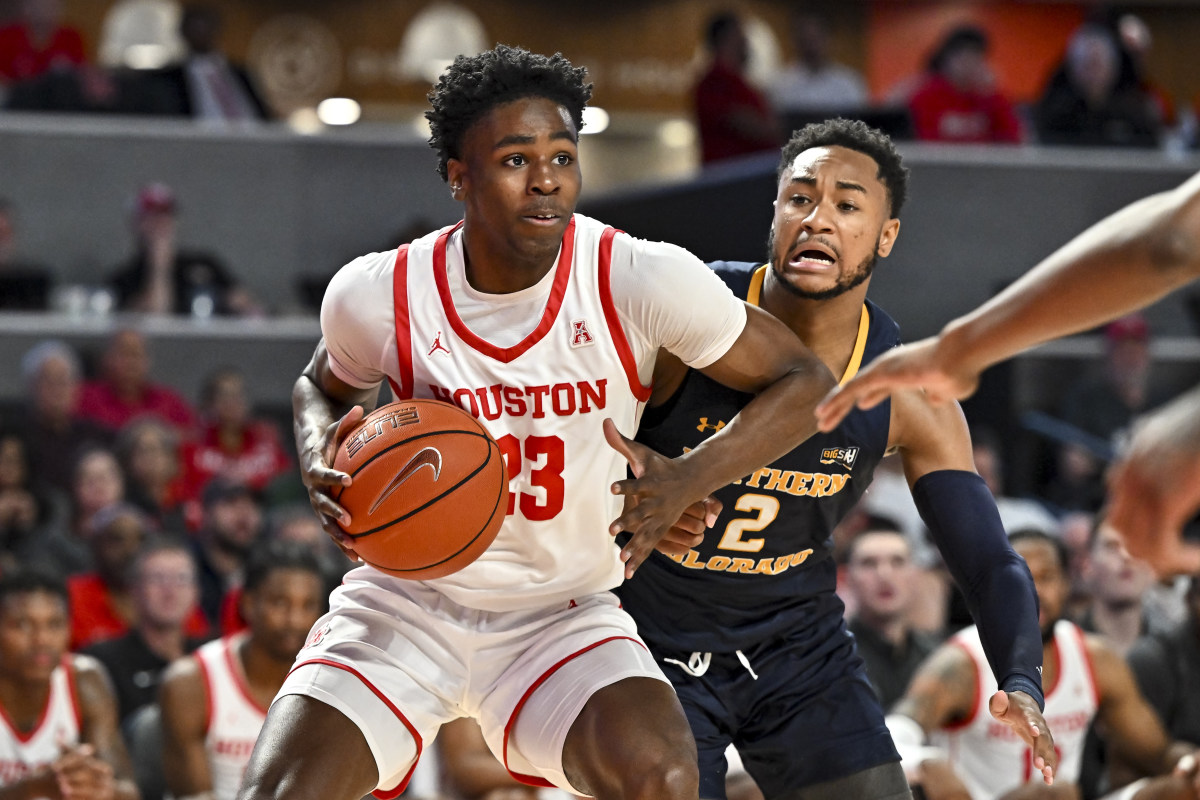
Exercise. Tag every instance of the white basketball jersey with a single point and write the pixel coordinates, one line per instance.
(989, 757)
(544, 400)
(24, 753)
(234, 718)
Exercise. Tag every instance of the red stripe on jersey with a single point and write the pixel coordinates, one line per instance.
(403, 334)
(506, 354)
(239, 675)
(615, 330)
(73, 691)
(1087, 661)
(533, 780)
(389, 794)
(962, 723)
(209, 692)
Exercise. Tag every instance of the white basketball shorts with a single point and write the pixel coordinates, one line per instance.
(400, 659)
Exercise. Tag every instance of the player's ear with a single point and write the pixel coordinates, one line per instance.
(455, 172)
(887, 237)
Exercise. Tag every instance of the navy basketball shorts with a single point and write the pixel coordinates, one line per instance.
(793, 725)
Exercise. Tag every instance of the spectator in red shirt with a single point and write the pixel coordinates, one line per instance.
(733, 117)
(958, 100)
(231, 442)
(38, 43)
(124, 389)
(102, 602)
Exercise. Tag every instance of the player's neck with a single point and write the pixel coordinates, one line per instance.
(493, 266)
(23, 701)
(829, 327)
(264, 673)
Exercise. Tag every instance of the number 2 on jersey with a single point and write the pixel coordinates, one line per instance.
(547, 459)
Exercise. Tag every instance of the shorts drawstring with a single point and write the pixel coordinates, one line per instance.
(746, 663)
(698, 663)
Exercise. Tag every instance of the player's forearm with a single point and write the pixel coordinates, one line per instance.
(313, 412)
(1125, 262)
(772, 424)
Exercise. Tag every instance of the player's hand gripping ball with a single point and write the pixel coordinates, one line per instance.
(429, 488)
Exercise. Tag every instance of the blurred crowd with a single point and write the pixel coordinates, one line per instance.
(1100, 94)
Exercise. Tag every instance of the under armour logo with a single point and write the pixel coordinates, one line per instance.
(427, 457)
(580, 336)
(705, 426)
(437, 346)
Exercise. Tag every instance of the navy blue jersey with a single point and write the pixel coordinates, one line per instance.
(765, 570)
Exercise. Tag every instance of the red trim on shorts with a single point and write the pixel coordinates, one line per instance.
(533, 780)
(505, 355)
(962, 723)
(238, 674)
(73, 692)
(389, 794)
(403, 333)
(615, 330)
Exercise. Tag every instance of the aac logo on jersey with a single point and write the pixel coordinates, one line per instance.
(840, 455)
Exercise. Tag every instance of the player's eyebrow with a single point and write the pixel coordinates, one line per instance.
(522, 138)
(847, 185)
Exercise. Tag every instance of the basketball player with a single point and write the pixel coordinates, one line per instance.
(215, 700)
(747, 622)
(59, 737)
(547, 326)
(1124, 262)
(1086, 679)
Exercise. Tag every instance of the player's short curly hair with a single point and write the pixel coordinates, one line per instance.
(853, 134)
(473, 85)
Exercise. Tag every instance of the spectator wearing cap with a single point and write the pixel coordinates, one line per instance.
(233, 522)
(959, 100)
(161, 278)
(124, 389)
(1101, 405)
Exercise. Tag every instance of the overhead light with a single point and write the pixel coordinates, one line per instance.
(146, 56)
(339, 111)
(305, 121)
(595, 119)
(677, 133)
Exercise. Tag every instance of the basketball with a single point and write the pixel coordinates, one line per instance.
(429, 488)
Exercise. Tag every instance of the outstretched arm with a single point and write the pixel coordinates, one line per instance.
(1124, 262)
(960, 512)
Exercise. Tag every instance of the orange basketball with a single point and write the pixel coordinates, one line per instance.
(429, 488)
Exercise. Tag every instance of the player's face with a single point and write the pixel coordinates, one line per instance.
(880, 574)
(282, 610)
(832, 221)
(519, 178)
(1114, 575)
(33, 635)
(1049, 580)
(165, 588)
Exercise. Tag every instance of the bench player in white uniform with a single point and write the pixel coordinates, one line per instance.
(214, 701)
(1084, 679)
(546, 324)
(58, 714)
